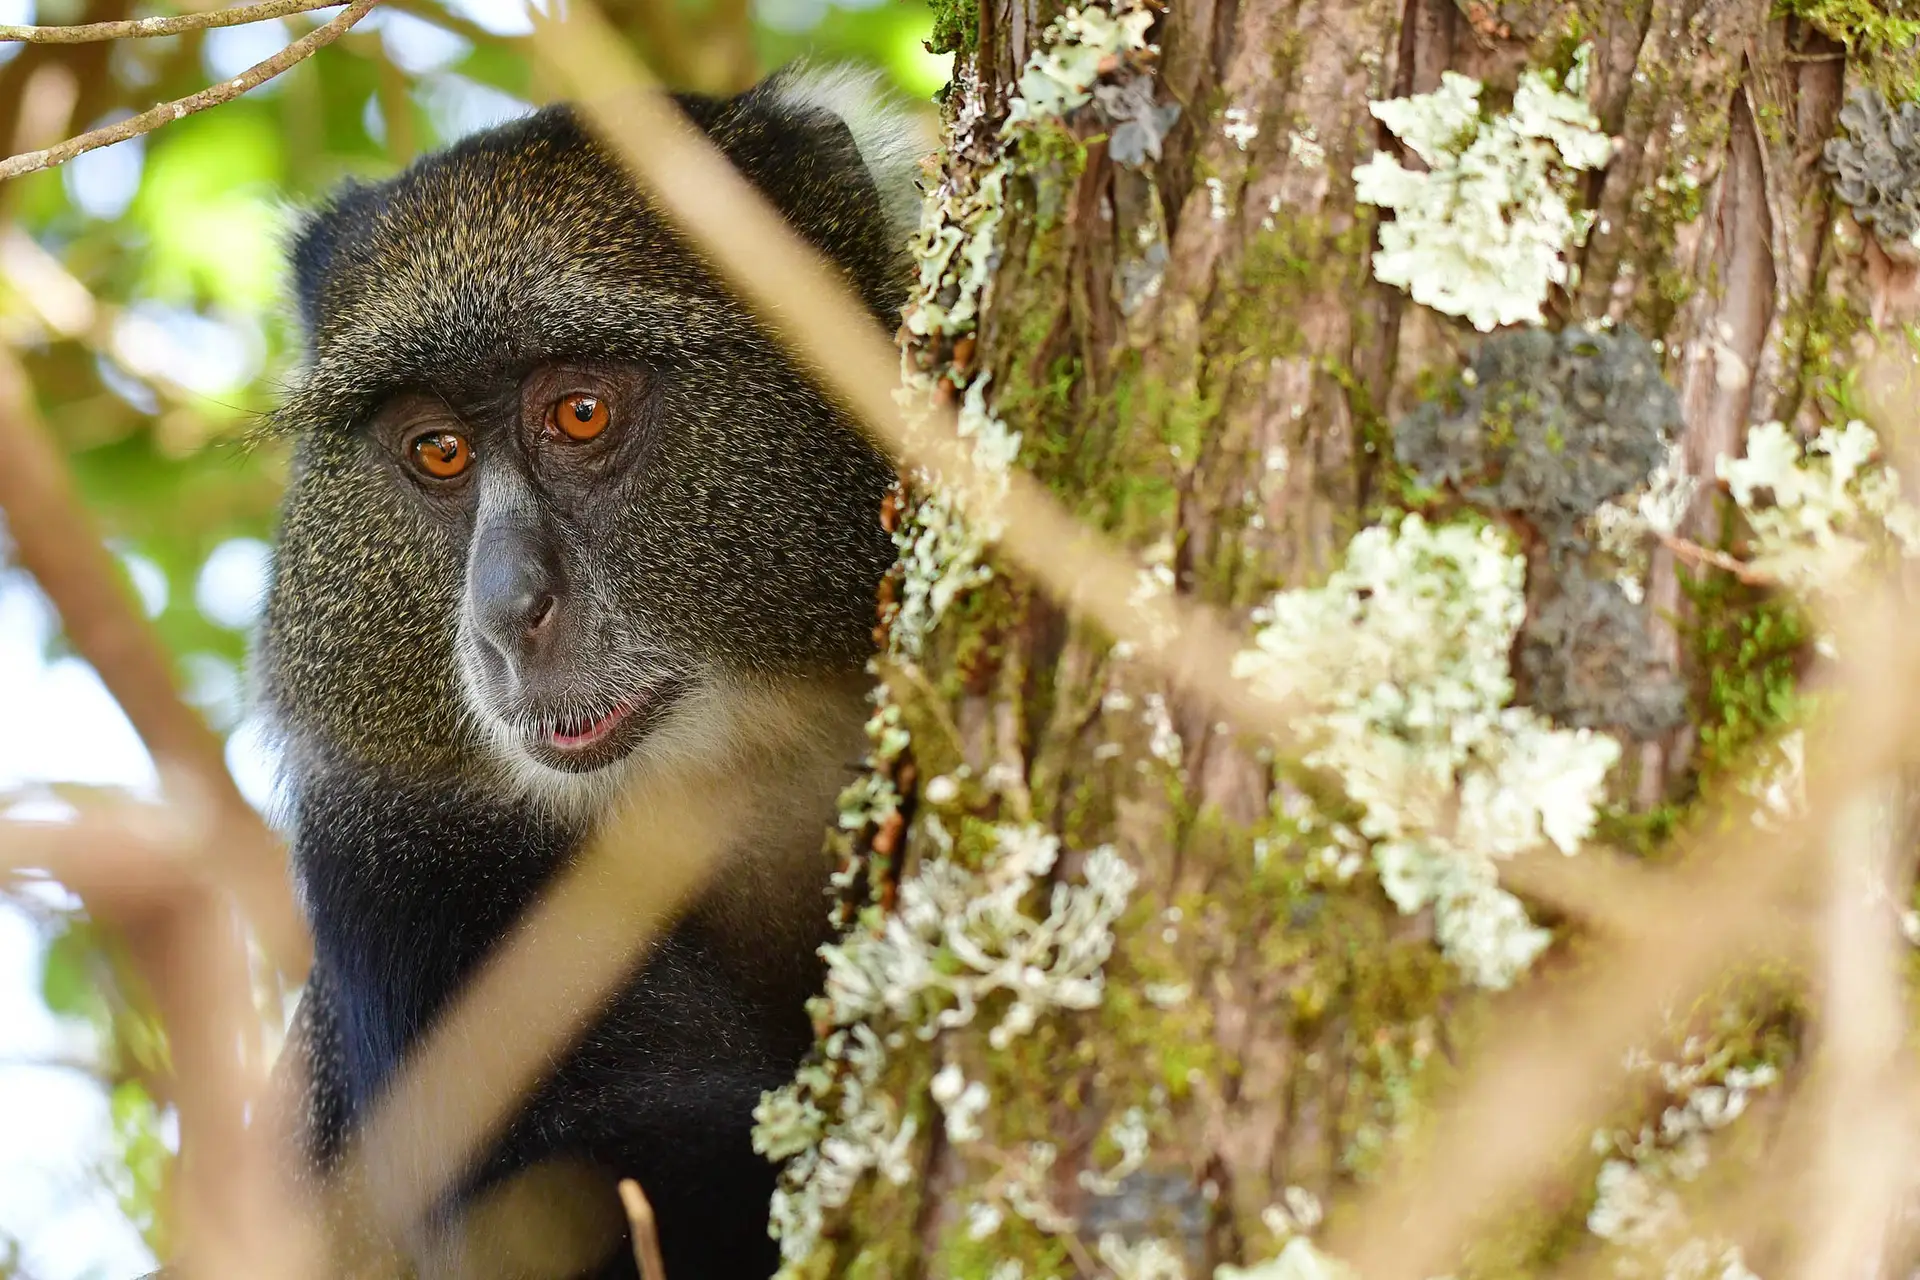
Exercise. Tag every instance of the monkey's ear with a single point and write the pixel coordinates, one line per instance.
(890, 137)
(320, 239)
(840, 156)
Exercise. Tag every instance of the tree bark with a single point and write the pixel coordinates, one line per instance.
(1200, 362)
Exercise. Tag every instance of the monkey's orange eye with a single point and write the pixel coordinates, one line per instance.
(442, 454)
(578, 416)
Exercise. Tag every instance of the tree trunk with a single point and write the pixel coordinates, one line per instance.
(1181, 320)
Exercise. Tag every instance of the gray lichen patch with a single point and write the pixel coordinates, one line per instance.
(1137, 124)
(1151, 1205)
(1876, 168)
(1545, 426)
(1585, 659)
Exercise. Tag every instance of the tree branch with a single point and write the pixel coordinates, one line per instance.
(87, 33)
(167, 112)
(1695, 554)
(646, 1235)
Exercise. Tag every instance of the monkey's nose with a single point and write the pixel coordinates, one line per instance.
(515, 594)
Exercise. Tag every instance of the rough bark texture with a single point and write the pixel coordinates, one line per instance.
(1234, 425)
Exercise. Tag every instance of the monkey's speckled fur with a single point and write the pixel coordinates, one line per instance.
(744, 545)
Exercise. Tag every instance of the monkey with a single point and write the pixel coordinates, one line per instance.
(562, 516)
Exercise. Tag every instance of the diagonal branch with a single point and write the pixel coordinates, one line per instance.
(134, 28)
(167, 112)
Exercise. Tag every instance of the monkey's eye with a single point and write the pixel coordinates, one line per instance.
(441, 454)
(578, 417)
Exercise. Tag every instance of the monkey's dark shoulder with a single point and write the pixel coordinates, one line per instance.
(409, 894)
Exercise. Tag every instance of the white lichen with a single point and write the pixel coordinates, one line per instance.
(958, 936)
(1216, 199)
(958, 940)
(1298, 1213)
(962, 1100)
(1624, 528)
(1637, 1204)
(1240, 127)
(1821, 513)
(1129, 1134)
(1304, 149)
(1401, 664)
(1482, 233)
(1150, 1258)
(1298, 1259)
(835, 1126)
(955, 251)
(1059, 75)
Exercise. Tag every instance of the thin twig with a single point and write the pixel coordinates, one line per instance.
(134, 28)
(646, 1233)
(167, 112)
(1851, 1181)
(1695, 554)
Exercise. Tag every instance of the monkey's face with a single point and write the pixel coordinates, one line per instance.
(558, 503)
(592, 557)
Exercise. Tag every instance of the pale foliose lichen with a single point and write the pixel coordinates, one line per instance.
(958, 936)
(1622, 529)
(1153, 1258)
(1138, 124)
(955, 250)
(1482, 233)
(1876, 168)
(1060, 74)
(958, 940)
(1638, 1209)
(1821, 513)
(1401, 662)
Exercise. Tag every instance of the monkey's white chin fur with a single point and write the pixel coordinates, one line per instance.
(767, 738)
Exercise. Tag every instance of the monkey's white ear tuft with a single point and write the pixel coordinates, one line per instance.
(892, 137)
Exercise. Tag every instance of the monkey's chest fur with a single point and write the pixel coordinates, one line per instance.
(409, 895)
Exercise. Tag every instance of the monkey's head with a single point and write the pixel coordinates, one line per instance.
(558, 501)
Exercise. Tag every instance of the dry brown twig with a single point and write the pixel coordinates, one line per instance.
(167, 112)
(1854, 1172)
(646, 1232)
(173, 25)
(1708, 557)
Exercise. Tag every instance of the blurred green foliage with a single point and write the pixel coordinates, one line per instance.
(142, 287)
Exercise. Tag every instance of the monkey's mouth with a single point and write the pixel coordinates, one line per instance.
(579, 732)
(581, 741)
